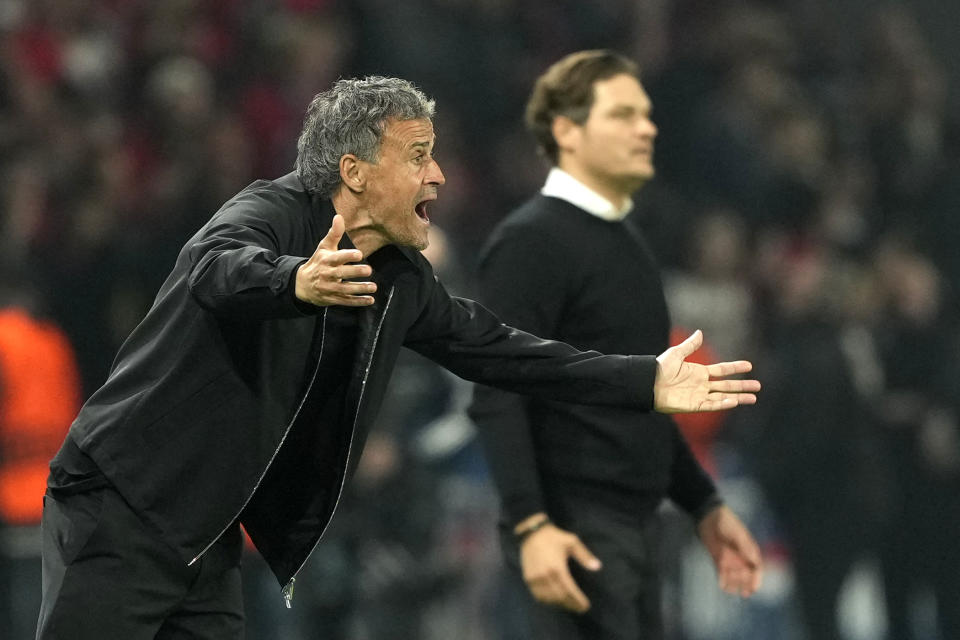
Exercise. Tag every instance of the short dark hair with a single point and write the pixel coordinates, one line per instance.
(566, 89)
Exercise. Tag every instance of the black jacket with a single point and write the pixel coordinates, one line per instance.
(190, 423)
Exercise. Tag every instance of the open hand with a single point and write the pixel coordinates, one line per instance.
(688, 387)
(325, 279)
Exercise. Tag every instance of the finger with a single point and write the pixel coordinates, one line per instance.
(352, 301)
(724, 369)
(573, 598)
(548, 591)
(691, 344)
(355, 288)
(730, 400)
(722, 402)
(335, 258)
(732, 580)
(739, 398)
(750, 551)
(734, 386)
(735, 573)
(351, 271)
(582, 554)
(331, 241)
(749, 583)
(723, 581)
(747, 548)
(756, 579)
(543, 593)
(736, 583)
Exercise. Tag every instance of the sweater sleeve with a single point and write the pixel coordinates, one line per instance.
(526, 294)
(691, 488)
(507, 440)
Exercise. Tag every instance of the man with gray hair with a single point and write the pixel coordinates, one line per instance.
(246, 393)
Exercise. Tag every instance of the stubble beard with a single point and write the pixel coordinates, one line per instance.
(409, 238)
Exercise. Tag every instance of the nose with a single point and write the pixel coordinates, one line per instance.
(648, 128)
(435, 175)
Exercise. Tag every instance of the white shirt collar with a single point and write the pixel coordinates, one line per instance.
(561, 184)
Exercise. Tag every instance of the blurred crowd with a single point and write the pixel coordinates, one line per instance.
(808, 179)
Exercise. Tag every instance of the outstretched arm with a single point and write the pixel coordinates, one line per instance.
(465, 338)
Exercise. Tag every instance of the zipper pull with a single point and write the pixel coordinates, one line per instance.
(287, 592)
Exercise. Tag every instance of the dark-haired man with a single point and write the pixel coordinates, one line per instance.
(583, 483)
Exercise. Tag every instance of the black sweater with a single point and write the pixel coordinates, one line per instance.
(560, 272)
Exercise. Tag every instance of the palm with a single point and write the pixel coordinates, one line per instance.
(687, 387)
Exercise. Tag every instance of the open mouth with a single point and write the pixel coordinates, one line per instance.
(421, 210)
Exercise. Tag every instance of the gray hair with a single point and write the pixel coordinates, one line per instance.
(350, 118)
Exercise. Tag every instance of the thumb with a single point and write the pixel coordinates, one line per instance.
(738, 537)
(749, 549)
(691, 344)
(583, 555)
(331, 241)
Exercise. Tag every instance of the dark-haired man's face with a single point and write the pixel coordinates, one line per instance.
(615, 144)
(402, 182)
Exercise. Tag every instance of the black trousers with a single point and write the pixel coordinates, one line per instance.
(106, 576)
(625, 595)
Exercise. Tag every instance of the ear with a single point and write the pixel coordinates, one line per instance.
(566, 132)
(352, 173)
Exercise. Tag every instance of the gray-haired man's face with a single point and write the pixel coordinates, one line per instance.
(402, 182)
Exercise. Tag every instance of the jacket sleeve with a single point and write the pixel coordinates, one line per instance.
(238, 265)
(464, 337)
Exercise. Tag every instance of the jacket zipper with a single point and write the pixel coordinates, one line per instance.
(323, 335)
(287, 590)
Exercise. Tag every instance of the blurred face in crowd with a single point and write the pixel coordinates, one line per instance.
(401, 183)
(612, 151)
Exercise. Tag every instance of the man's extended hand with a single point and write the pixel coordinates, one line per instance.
(323, 280)
(734, 551)
(687, 387)
(544, 555)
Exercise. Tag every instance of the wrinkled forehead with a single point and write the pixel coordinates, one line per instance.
(404, 134)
